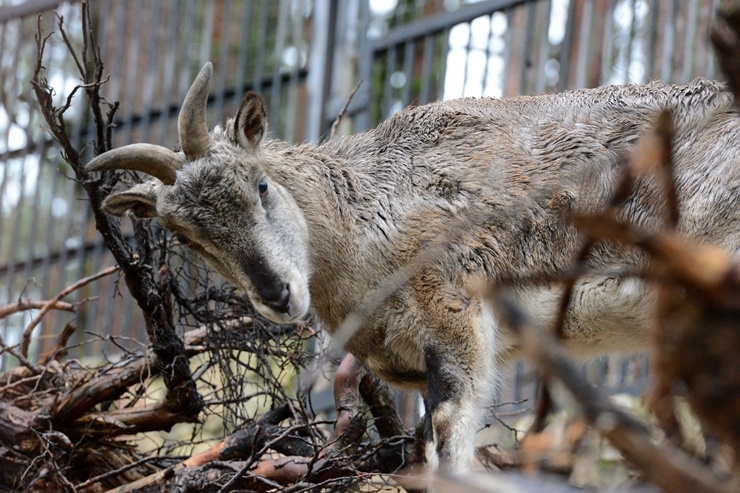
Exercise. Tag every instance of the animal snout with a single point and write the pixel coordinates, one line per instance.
(278, 299)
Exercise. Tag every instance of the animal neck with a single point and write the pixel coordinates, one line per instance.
(326, 190)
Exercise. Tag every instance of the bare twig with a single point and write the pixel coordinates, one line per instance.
(20, 357)
(59, 349)
(26, 341)
(24, 305)
(338, 120)
(110, 474)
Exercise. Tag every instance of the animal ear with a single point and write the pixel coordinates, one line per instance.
(139, 199)
(250, 124)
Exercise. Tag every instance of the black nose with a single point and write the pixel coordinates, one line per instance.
(279, 299)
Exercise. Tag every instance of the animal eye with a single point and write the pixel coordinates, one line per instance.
(262, 187)
(182, 239)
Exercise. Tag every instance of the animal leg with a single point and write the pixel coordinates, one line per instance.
(454, 398)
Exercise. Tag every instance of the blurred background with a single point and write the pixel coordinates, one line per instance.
(305, 57)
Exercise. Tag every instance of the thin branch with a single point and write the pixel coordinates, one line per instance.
(25, 305)
(26, 341)
(111, 474)
(18, 383)
(59, 350)
(20, 357)
(68, 42)
(338, 120)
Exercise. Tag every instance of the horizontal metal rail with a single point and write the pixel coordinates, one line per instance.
(425, 27)
(29, 7)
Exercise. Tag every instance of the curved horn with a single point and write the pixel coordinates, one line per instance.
(157, 161)
(191, 124)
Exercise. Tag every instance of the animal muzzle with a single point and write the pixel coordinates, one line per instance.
(276, 297)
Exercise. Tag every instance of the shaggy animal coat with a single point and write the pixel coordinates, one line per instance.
(322, 227)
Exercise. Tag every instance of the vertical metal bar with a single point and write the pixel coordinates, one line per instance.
(95, 310)
(426, 70)
(242, 56)
(188, 28)
(627, 77)
(467, 58)
(367, 56)
(606, 46)
(171, 58)
(486, 67)
(5, 137)
(276, 89)
(711, 72)
(584, 42)
(528, 41)
(544, 49)
(17, 221)
(118, 11)
(689, 58)
(652, 39)
(669, 35)
(567, 46)
(322, 44)
(408, 70)
(149, 82)
(33, 246)
(132, 72)
(260, 65)
(14, 215)
(206, 39)
(445, 50)
(292, 106)
(221, 70)
(51, 240)
(390, 67)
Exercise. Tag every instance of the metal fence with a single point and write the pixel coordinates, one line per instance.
(304, 57)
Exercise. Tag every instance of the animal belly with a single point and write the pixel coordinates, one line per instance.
(606, 314)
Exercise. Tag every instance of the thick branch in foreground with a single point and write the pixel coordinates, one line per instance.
(698, 332)
(725, 36)
(668, 468)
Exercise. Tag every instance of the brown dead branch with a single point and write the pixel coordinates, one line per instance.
(59, 351)
(35, 370)
(259, 472)
(666, 467)
(653, 154)
(702, 267)
(49, 305)
(302, 461)
(25, 305)
(725, 36)
(698, 329)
